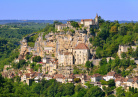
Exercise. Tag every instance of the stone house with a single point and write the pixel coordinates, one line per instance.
(90, 22)
(65, 59)
(119, 81)
(68, 59)
(124, 48)
(28, 77)
(126, 82)
(110, 75)
(96, 77)
(53, 63)
(11, 75)
(65, 70)
(59, 27)
(47, 76)
(83, 78)
(60, 58)
(59, 78)
(38, 77)
(81, 54)
(45, 64)
(70, 78)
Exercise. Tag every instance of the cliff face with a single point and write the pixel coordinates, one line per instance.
(54, 44)
(23, 49)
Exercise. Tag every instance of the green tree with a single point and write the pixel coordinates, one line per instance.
(103, 61)
(120, 92)
(123, 55)
(114, 29)
(74, 24)
(88, 64)
(76, 80)
(111, 83)
(122, 30)
(36, 59)
(92, 31)
(94, 91)
(107, 90)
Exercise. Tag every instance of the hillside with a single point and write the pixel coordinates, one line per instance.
(10, 36)
(91, 60)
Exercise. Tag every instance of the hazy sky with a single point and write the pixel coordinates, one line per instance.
(69, 9)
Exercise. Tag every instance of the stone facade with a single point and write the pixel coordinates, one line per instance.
(90, 22)
(81, 54)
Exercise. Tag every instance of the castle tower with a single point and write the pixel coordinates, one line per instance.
(96, 20)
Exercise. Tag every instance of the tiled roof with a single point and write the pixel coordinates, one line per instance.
(117, 75)
(62, 24)
(71, 76)
(111, 73)
(67, 53)
(122, 79)
(59, 76)
(86, 19)
(87, 78)
(96, 75)
(27, 75)
(81, 46)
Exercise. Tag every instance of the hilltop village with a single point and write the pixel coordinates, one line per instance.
(62, 51)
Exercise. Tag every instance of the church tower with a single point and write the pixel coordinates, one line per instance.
(96, 20)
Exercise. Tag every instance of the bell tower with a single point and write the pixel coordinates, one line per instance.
(96, 19)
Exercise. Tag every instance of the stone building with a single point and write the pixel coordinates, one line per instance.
(65, 59)
(60, 27)
(90, 22)
(81, 54)
(124, 48)
(68, 59)
(53, 64)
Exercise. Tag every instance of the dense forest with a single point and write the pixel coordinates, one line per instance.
(106, 41)
(51, 88)
(10, 36)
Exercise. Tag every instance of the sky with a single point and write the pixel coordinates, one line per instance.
(68, 9)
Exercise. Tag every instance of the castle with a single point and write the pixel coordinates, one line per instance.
(89, 23)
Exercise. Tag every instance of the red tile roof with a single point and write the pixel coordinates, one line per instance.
(71, 76)
(111, 73)
(87, 78)
(96, 75)
(59, 76)
(86, 19)
(81, 46)
(118, 75)
(27, 75)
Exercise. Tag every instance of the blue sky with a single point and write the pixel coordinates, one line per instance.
(68, 9)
